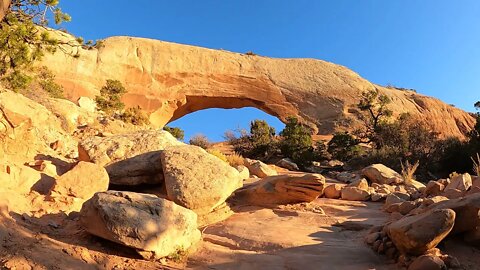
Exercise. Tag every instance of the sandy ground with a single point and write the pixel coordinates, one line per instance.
(293, 237)
(324, 234)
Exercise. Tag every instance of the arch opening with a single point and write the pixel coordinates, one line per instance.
(214, 122)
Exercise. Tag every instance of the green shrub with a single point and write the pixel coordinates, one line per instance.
(200, 140)
(111, 93)
(24, 38)
(259, 143)
(176, 132)
(343, 146)
(46, 80)
(296, 142)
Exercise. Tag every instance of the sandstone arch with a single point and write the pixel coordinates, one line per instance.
(170, 80)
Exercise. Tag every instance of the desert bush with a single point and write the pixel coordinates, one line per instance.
(46, 80)
(111, 93)
(200, 140)
(295, 137)
(343, 146)
(235, 159)
(133, 115)
(259, 143)
(176, 132)
(218, 154)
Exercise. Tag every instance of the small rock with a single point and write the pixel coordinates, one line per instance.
(258, 168)
(333, 191)
(354, 194)
(287, 164)
(461, 182)
(427, 262)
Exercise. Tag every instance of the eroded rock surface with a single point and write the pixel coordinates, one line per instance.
(171, 80)
(283, 189)
(130, 159)
(196, 179)
(154, 226)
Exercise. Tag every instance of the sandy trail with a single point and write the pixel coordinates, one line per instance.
(293, 237)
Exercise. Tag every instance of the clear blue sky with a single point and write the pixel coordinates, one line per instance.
(429, 45)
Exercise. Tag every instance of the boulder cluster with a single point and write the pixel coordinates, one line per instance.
(193, 190)
(423, 216)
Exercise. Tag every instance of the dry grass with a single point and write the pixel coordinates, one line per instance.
(235, 160)
(476, 164)
(408, 170)
(218, 154)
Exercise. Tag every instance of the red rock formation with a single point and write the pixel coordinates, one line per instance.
(171, 80)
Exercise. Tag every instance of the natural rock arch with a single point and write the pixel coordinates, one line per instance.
(170, 80)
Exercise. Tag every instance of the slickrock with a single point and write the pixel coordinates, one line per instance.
(171, 80)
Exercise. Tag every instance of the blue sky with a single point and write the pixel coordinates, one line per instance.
(429, 45)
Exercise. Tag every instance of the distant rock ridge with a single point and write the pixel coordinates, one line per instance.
(171, 80)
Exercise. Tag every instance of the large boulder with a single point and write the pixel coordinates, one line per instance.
(196, 179)
(466, 209)
(84, 180)
(154, 226)
(130, 159)
(258, 168)
(416, 234)
(283, 189)
(381, 174)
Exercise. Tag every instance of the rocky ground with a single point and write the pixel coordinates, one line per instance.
(81, 191)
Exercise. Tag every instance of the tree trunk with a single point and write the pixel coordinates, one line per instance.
(4, 4)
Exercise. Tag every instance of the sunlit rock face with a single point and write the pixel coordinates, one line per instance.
(171, 80)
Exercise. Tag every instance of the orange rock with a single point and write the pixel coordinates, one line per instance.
(170, 80)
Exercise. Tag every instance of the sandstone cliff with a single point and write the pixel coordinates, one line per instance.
(171, 80)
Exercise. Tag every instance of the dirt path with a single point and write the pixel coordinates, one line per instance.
(295, 237)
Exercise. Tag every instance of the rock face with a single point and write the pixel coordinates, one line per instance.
(283, 189)
(381, 174)
(258, 168)
(24, 120)
(196, 179)
(171, 80)
(130, 159)
(142, 221)
(84, 180)
(416, 234)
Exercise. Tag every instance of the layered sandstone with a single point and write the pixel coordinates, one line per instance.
(171, 80)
